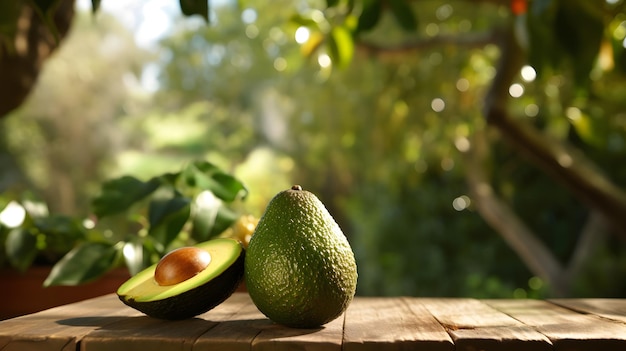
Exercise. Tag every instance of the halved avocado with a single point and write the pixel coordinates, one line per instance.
(193, 296)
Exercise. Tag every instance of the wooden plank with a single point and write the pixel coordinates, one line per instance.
(614, 309)
(249, 329)
(235, 333)
(277, 337)
(476, 326)
(461, 313)
(146, 333)
(567, 329)
(228, 308)
(392, 324)
(60, 328)
(104, 323)
(15, 325)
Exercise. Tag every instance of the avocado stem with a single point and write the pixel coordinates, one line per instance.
(296, 187)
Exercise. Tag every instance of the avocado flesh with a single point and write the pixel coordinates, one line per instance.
(193, 296)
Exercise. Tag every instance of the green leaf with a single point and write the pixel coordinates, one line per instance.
(579, 28)
(305, 21)
(61, 234)
(35, 208)
(121, 193)
(224, 219)
(21, 248)
(206, 167)
(228, 188)
(619, 54)
(95, 6)
(3, 203)
(206, 207)
(13, 215)
(167, 218)
(565, 34)
(404, 14)
(209, 221)
(83, 264)
(170, 178)
(341, 46)
(134, 257)
(370, 15)
(65, 226)
(206, 176)
(542, 42)
(195, 7)
(159, 209)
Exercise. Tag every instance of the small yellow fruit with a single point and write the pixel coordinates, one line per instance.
(242, 229)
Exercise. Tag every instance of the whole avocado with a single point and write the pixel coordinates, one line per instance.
(300, 270)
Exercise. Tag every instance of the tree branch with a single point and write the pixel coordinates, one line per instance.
(562, 161)
(475, 40)
(592, 234)
(497, 213)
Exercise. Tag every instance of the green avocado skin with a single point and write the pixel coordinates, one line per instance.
(300, 270)
(195, 301)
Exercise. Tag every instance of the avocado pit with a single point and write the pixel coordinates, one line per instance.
(180, 265)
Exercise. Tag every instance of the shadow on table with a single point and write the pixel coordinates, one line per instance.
(120, 323)
(255, 325)
(91, 321)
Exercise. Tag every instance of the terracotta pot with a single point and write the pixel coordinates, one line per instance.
(23, 293)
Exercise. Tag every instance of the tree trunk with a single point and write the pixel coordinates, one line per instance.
(34, 41)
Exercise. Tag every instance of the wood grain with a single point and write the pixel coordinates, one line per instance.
(60, 328)
(236, 333)
(276, 337)
(249, 329)
(392, 324)
(142, 332)
(567, 329)
(614, 309)
(399, 323)
(474, 325)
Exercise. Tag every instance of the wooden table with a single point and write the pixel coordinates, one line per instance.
(401, 323)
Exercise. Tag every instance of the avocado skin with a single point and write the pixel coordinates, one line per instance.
(195, 301)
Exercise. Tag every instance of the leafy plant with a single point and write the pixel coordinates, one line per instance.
(29, 234)
(134, 223)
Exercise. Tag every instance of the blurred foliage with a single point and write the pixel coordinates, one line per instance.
(135, 222)
(378, 134)
(29, 234)
(381, 140)
(57, 124)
